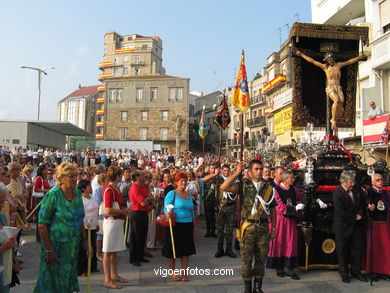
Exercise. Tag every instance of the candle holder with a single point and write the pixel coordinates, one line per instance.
(267, 147)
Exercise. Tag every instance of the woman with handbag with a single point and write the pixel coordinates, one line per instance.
(283, 250)
(184, 229)
(115, 214)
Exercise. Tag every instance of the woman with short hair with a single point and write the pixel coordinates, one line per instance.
(60, 226)
(184, 229)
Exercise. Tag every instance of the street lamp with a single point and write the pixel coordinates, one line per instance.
(40, 71)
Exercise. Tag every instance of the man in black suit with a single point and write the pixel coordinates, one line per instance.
(348, 226)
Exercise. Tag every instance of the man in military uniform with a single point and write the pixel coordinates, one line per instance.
(225, 216)
(210, 199)
(257, 207)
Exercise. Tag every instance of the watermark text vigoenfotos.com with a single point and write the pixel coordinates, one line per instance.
(164, 272)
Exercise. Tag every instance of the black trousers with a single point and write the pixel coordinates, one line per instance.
(83, 258)
(139, 222)
(350, 250)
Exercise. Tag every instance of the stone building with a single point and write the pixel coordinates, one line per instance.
(138, 101)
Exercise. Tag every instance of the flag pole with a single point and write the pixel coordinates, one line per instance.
(241, 136)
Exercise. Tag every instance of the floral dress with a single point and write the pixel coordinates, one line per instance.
(63, 219)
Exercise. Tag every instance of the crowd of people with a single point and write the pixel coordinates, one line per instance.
(119, 194)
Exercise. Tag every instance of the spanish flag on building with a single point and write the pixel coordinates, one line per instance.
(240, 96)
(203, 128)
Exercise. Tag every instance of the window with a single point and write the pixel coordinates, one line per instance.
(144, 115)
(62, 112)
(81, 114)
(129, 38)
(384, 15)
(144, 47)
(137, 71)
(116, 96)
(116, 71)
(16, 141)
(153, 94)
(164, 115)
(139, 94)
(125, 70)
(116, 60)
(122, 133)
(125, 58)
(164, 133)
(175, 94)
(119, 98)
(143, 133)
(71, 111)
(124, 116)
(137, 59)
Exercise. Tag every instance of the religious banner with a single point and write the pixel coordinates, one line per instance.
(203, 128)
(222, 116)
(240, 96)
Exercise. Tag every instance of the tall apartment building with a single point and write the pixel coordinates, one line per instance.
(138, 101)
(79, 107)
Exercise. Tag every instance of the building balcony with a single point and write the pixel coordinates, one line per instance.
(257, 100)
(99, 135)
(100, 100)
(105, 64)
(250, 143)
(104, 75)
(101, 88)
(100, 112)
(125, 50)
(381, 52)
(280, 79)
(237, 125)
(257, 121)
(137, 63)
(99, 123)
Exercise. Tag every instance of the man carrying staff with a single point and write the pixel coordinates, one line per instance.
(332, 70)
(257, 208)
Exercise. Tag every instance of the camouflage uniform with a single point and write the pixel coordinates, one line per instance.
(210, 203)
(225, 216)
(255, 240)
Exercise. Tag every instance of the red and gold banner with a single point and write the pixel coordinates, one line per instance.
(280, 78)
(240, 97)
(100, 100)
(99, 135)
(105, 75)
(99, 112)
(124, 50)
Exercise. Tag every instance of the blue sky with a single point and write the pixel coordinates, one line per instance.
(202, 40)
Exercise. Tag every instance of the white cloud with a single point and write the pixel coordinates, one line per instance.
(4, 114)
(82, 50)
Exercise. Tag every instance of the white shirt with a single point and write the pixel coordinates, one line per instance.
(91, 210)
(94, 184)
(376, 111)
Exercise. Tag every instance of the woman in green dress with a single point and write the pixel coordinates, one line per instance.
(60, 226)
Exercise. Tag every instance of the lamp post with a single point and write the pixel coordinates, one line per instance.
(40, 71)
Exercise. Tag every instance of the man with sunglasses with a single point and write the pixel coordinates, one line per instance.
(378, 253)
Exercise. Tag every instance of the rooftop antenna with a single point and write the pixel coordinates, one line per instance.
(280, 35)
(297, 16)
(287, 26)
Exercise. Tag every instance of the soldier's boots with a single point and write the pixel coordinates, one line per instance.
(258, 285)
(248, 286)
(208, 234)
(220, 251)
(213, 233)
(229, 251)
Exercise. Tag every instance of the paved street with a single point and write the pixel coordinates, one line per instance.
(143, 279)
